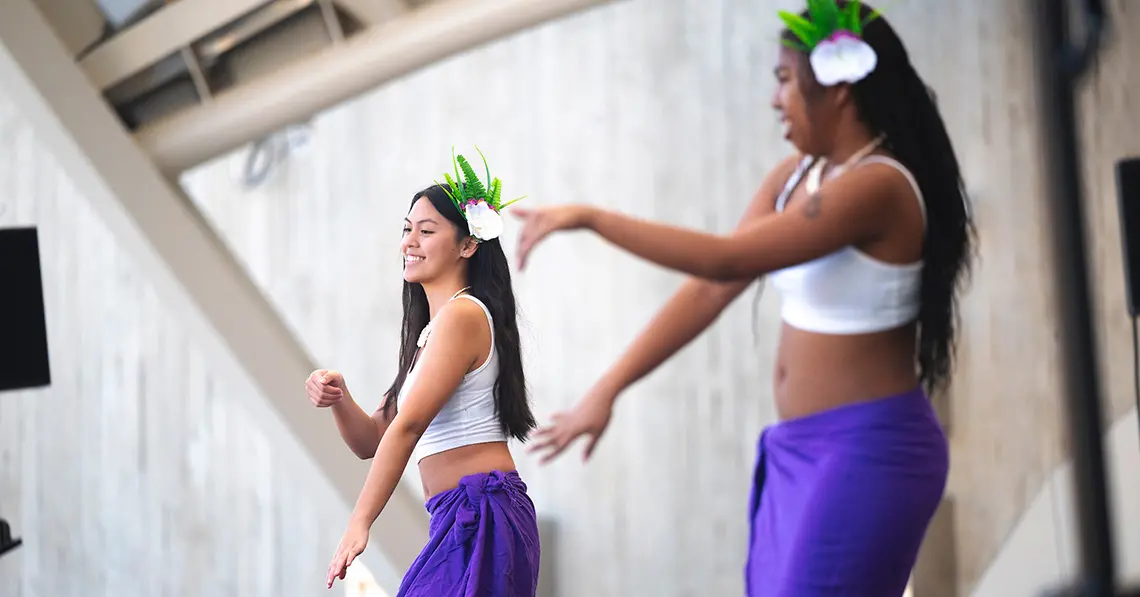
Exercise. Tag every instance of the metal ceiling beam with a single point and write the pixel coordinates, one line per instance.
(375, 12)
(380, 54)
(167, 31)
(193, 272)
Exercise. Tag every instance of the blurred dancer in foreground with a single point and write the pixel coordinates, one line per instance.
(459, 393)
(866, 234)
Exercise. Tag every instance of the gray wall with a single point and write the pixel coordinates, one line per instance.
(660, 108)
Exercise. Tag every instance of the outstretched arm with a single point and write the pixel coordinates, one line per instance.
(697, 304)
(843, 212)
(445, 360)
(690, 311)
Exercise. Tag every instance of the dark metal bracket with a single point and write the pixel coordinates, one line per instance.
(1061, 65)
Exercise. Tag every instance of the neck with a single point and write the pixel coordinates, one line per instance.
(846, 146)
(439, 292)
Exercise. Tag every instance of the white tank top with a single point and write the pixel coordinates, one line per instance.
(469, 416)
(848, 291)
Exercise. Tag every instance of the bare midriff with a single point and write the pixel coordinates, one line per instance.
(817, 372)
(441, 472)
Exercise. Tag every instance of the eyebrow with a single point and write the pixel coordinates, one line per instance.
(423, 221)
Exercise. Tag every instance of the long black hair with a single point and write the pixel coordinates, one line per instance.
(894, 101)
(489, 277)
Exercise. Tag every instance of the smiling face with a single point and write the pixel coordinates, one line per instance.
(789, 101)
(810, 113)
(432, 246)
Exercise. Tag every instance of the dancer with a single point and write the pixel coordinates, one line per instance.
(458, 395)
(867, 236)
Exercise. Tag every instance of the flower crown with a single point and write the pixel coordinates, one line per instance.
(833, 39)
(478, 202)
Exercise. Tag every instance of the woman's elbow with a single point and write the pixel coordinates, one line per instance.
(410, 427)
(363, 453)
(731, 268)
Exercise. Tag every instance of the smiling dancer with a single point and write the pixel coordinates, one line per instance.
(458, 395)
(867, 236)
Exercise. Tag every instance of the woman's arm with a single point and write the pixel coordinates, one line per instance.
(843, 212)
(696, 305)
(688, 313)
(360, 432)
(445, 360)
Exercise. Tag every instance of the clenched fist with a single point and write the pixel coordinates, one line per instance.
(325, 388)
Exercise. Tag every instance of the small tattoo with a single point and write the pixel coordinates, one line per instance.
(813, 206)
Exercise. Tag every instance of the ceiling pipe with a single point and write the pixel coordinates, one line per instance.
(298, 90)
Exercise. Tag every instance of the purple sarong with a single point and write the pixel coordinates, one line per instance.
(483, 541)
(841, 499)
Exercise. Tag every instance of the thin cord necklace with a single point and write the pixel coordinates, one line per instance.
(427, 328)
(815, 176)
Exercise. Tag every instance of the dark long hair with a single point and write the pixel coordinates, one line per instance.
(490, 279)
(894, 101)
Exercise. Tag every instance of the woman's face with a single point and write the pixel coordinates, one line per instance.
(789, 101)
(431, 245)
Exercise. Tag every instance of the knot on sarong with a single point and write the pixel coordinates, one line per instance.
(475, 489)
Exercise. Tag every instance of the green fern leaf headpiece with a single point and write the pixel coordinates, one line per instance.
(480, 202)
(833, 38)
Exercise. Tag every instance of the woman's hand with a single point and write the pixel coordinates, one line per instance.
(325, 388)
(590, 418)
(541, 221)
(353, 542)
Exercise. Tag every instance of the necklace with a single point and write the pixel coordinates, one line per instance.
(815, 176)
(427, 328)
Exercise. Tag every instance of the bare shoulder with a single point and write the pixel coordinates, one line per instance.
(895, 175)
(462, 315)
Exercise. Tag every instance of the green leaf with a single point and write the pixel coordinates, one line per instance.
(486, 166)
(825, 15)
(853, 23)
(461, 192)
(445, 188)
(503, 206)
(496, 193)
(455, 194)
(475, 188)
(805, 30)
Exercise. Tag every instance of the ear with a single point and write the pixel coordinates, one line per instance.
(843, 95)
(468, 248)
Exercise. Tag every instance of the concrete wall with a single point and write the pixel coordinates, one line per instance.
(659, 108)
(1042, 551)
(137, 472)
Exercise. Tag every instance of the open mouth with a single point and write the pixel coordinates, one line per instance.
(412, 259)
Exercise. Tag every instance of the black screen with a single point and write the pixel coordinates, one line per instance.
(23, 331)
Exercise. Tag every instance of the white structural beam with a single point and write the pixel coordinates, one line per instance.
(192, 271)
(374, 12)
(166, 31)
(416, 39)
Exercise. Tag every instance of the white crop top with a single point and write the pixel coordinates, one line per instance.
(469, 416)
(848, 291)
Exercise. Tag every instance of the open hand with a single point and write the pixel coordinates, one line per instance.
(589, 417)
(324, 387)
(539, 222)
(353, 542)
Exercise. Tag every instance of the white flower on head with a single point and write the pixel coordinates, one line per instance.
(483, 222)
(842, 58)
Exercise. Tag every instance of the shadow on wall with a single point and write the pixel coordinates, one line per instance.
(1041, 552)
